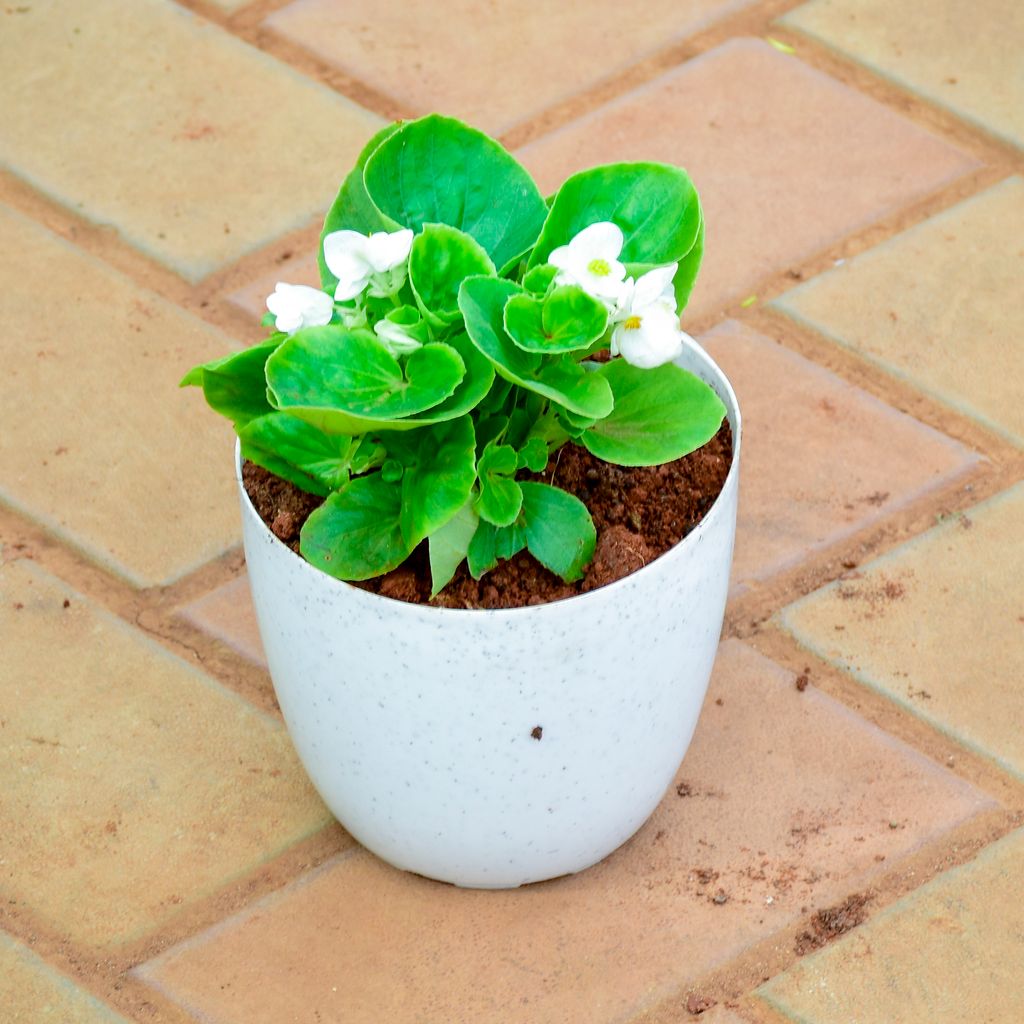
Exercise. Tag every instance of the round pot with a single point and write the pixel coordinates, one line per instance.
(495, 748)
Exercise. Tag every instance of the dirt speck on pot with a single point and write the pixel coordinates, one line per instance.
(537, 732)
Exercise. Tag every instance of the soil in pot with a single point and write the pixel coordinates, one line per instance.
(639, 514)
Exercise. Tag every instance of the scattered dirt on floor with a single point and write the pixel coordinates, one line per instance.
(696, 1005)
(830, 923)
(639, 514)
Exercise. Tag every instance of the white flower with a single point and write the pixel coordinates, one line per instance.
(653, 287)
(396, 338)
(591, 260)
(298, 305)
(376, 260)
(647, 331)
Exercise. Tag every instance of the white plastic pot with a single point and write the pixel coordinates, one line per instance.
(495, 748)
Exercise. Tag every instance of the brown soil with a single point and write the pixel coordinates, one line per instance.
(639, 514)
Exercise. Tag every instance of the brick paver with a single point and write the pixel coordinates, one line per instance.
(821, 458)
(718, 1015)
(141, 796)
(767, 141)
(32, 993)
(195, 146)
(950, 952)
(798, 812)
(130, 784)
(228, 614)
(933, 306)
(89, 393)
(492, 64)
(938, 626)
(955, 55)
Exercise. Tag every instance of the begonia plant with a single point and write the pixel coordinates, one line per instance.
(466, 328)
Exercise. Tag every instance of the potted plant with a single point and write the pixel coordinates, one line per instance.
(467, 329)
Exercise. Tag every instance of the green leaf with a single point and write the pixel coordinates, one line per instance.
(353, 210)
(655, 205)
(659, 415)
(347, 382)
(438, 170)
(553, 524)
(482, 301)
(355, 533)
(501, 497)
(236, 385)
(538, 280)
(316, 455)
(440, 470)
(441, 257)
(285, 470)
(565, 321)
(689, 266)
(686, 274)
(534, 455)
(491, 543)
(449, 545)
(559, 531)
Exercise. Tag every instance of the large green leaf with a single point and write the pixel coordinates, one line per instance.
(323, 457)
(236, 385)
(655, 205)
(482, 301)
(659, 415)
(352, 209)
(686, 274)
(474, 386)
(441, 257)
(338, 380)
(438, 170)
(449, 545)
(567, 320)
(439, 470)
(689, 266)
(355, 533)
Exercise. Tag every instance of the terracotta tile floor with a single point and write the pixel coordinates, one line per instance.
(163, 859)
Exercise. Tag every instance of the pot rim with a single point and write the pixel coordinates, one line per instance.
(697, 355)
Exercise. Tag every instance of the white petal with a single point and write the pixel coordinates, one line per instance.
(345, 246)
(389, 249)
(657, 340)
(345, 253)
(560, 257)
(652, 285)
(298, 305)
(603, 239)
(349, 288)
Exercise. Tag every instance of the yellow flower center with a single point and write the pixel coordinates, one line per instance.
(599, 267)
(632, 323)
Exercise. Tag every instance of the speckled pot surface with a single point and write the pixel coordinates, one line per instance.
(495, 748)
